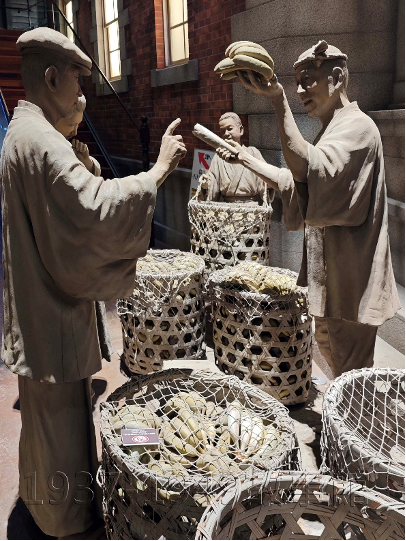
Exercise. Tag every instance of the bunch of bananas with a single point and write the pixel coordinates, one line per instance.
(245, 55)
(198, 435)
(251, 276)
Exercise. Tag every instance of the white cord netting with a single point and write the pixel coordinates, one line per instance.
(225, 234)
(300, 505)
(262, 331)
(214, 431)
(363, 435)
(164, 317)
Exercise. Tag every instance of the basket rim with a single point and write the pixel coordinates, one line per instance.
(331, 401)
(278, 480)
(288, 440)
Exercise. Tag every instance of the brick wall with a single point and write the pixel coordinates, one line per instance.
(200, 101)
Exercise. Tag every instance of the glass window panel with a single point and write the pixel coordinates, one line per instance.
(110, 10)
(175, 12)
(177, 44)
(185, 28)
(185, 10)
(113, 36)
(69, 12)
(70, 35)
(115, 65)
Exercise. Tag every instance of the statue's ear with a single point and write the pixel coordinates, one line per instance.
(50, 78)
(338, 77)
(242, 130)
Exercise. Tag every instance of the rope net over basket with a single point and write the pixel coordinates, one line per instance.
(214, 431)
(296, 505)
(225, 234)
(363, 434)
(262, 329)
(164, 317)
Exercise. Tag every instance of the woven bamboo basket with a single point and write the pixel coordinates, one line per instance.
(263, 339)
(164, 318)
(363, 436)
(225, 234)
(140, 503)
(297, 505)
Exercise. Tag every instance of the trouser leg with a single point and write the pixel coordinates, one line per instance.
(57, 456)
(346, 345)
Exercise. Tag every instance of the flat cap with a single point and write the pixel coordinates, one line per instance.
(46, 38)
(321, 51)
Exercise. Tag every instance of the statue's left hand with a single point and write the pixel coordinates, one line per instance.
(82, 153)
(272, 89)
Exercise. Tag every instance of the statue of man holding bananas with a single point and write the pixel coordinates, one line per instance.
(335, 188)
(232, 182)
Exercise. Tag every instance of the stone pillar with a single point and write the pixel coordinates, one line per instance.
(399, 86)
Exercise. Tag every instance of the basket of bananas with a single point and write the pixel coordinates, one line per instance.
(225, 234)
(214, 431)
(262, 331)
(164, 317)
(242, 56)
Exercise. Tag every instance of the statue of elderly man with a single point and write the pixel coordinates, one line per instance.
(335, 188)
(231, 182)
(70, 239)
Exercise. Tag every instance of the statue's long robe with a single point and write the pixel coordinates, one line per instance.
(346, 261)
(69, 239)
(233, 182)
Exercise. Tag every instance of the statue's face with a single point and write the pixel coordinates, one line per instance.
(315, 88)
(230, 130)
(67, 91)
(68, 127)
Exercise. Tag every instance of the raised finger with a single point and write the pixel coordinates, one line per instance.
(172, 126)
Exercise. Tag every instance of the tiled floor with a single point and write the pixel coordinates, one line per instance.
(15, 521)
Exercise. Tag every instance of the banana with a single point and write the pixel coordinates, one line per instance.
(284, 393)
(228, 76)
(192, 422)
(254, 52)
(257, 435)
(224, 442)
(248, 62)
(210, 407)
(179, 426)
(215, 462)
(175, 458)
(245, 431)
(195, 401)
(235, 44)
(133, 413)
(239, 44)
(170, 438)
(271, 440)
(234, 419)
(225, 66)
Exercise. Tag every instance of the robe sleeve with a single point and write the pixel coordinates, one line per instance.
(340, 174)
(96, 166)
(213, 174)
(292, 213)
(260, 183)
(89, 231)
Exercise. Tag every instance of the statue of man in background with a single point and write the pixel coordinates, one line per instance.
(232, 182)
